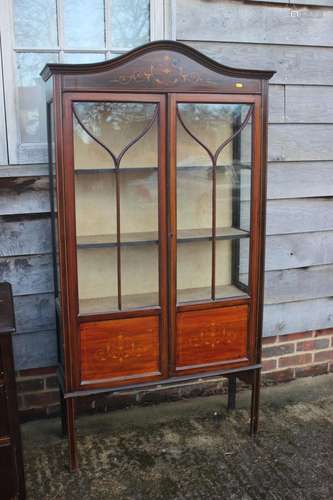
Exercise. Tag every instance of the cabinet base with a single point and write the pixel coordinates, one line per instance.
(249, 374)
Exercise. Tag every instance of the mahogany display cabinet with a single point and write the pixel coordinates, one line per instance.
(157, 172)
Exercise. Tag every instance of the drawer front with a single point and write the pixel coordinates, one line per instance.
(207, 338)
(120, 350)
(4, 427)
(8, 477)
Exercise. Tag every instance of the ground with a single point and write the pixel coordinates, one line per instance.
(193, 449)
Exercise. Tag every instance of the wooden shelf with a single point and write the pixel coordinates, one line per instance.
(109, 304)
(149, 237)
(138, 301)
(245, 166)
(83, 171)
(204, 293)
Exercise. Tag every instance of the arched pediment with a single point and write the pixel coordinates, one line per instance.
(163, 66)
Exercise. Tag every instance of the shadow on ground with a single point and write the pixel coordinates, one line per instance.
(193, 449)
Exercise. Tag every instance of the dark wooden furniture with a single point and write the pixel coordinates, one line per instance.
(11, 462)
(157, 168)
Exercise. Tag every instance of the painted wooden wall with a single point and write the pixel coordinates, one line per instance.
(298, 44)
(299, 263)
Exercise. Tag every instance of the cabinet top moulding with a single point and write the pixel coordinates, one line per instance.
(162, 66)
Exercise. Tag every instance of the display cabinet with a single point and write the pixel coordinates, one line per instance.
(157, 174)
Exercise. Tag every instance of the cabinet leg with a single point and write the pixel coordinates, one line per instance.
(232, 392)
(255, 402)
(63, 414)
(71, 430)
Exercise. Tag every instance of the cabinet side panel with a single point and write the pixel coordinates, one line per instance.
(211, 337)
(120, 349)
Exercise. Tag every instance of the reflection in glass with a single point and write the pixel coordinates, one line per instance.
(138, 204)
(35, 23)
(97, 279)
(31, 95)
(139, 275)
(95, 206)
(84, 24)
(194, 270)
(116, 196)
(83, 57)
(116, 125)
(214, 155)
(130, 20)
(194, 199)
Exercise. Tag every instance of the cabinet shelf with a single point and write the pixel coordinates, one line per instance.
(245, 166)
(106, 304)
(84, 171)
(203, 293)
(148, 237)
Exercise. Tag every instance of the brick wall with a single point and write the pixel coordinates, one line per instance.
(285, 358)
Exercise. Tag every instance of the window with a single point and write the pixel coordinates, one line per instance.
(35, 32)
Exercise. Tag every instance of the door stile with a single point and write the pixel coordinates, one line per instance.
(255, 224)
(163, 234)
(70, 226)
(172, 229)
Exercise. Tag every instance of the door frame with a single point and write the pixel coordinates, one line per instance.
(68, 175)
(256, 238)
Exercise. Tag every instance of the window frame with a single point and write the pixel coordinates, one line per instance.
(12, 149)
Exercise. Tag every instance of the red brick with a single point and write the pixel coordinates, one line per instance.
(52, 382)
(295, 336)
(325, 332)
(324, 356)
(312, 344)
(279, 376)
(298, 359)
(312, 370)
(269, 340)
(30, 385)
(278, 350)
(41, 399)
(269, 365)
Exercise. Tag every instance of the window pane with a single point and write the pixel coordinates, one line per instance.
(35, 23)
(82, 57)
(31, 95)
(84, 24)
(129, 23)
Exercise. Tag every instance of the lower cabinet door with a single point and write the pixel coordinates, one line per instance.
(120, 350)
(8, 477)
(209, 339)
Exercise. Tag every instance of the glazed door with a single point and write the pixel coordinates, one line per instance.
(212, 237)
(118, 248)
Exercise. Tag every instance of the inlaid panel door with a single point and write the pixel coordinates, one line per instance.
(117, 180)
(213, 172)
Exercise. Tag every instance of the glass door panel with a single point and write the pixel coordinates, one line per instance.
(116, 200)
(213, 184)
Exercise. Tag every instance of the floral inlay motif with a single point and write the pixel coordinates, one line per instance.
(213, 335)
(120, 349)
(169, 71)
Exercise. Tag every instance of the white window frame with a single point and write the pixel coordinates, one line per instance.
(162, 26)
(3, 131)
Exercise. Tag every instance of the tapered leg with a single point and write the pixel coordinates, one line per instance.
(63, 414)
(70, 411)
(255, 402)
(232, 392)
